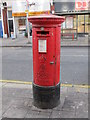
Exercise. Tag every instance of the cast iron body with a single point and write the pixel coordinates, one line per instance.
(46, 33)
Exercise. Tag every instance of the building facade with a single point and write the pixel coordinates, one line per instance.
(13, 16)
(77, 15)
(6, 19)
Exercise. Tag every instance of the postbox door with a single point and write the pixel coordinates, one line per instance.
(44, 59)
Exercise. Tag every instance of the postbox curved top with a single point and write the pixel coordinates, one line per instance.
(46, 19)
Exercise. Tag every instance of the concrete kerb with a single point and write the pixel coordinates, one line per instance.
(23, 42)
(30, 83)
(16, 46)
(61, 46)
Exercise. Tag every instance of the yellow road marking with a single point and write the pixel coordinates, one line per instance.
(79, 86)
(15, 81)
(29, 83)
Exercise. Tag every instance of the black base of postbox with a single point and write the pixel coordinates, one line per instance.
(46, 97)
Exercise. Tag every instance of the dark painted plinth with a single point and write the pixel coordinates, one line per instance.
(46, 97)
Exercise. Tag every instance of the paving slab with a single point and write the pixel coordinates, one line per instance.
(81, 114)
(7, 102)
(14, 112)
(18, 86)
(33, 108)
(17, 102)
(60, 106)
(17, 92)
(0, 100)
(55, 114)
(32, 114)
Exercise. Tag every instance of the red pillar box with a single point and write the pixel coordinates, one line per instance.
(46, 33)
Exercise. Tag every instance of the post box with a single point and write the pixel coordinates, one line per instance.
(46, 34)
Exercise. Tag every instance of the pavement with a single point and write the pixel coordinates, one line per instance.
(17, 102)
(25, 42)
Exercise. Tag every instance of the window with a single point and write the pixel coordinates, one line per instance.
(75, 22)
(80, 23)
(22, 24)
(87, 23)
(9, 14)
(69, 22)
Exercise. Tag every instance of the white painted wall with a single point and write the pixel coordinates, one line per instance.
(18, 7)
(40, 5)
